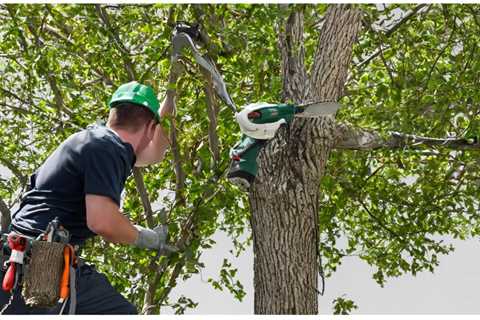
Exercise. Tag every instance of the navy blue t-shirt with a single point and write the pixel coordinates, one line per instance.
(93, 161)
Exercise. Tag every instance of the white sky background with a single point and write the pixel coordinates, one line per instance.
(451, 289)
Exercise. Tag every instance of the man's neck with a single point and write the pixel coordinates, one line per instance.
(126, 137)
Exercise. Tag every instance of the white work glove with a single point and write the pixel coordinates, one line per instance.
(154, 239)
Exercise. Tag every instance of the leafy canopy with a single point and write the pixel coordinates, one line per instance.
(59, 64)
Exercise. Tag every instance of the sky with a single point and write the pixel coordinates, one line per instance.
(451, 289)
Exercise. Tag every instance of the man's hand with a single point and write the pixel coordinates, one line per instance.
(154, 239)
(155, 151)
(168, 105)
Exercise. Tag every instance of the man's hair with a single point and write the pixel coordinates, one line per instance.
(129, 116)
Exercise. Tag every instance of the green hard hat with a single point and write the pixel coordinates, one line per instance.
(136, 93)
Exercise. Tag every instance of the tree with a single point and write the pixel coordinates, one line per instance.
(370, 176)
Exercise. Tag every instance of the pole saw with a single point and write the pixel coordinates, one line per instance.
(258, 122)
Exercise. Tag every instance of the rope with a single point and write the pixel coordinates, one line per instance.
(5, 307)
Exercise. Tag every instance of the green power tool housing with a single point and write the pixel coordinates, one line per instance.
(243, 166)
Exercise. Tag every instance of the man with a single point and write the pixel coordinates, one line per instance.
(81, 184)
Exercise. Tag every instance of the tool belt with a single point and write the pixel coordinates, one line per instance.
(42, 268)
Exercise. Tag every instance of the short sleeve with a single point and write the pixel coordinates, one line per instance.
(104, 172)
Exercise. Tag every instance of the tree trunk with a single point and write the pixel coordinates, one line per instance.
(284, 197)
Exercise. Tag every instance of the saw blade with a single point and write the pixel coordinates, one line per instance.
(317, 109)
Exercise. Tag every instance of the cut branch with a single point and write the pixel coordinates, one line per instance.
(405, 19)
(362, 139)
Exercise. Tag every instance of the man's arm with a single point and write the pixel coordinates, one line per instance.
(155, 151)
(105, 219)
(168, 107)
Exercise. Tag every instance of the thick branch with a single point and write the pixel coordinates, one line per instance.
(333, 53)
(350, 137)
(292, 49)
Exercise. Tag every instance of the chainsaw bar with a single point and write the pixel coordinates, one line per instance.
(317, 109)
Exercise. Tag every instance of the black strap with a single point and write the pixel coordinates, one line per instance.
(193, 30)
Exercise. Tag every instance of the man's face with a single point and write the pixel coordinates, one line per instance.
(147, 136)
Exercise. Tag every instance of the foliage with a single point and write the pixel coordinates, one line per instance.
(60, 63)
(341, 305)
(395, 207)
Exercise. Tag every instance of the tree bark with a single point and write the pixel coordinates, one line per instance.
(354, 138)
(284, 197)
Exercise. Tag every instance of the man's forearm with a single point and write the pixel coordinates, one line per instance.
(121, 230)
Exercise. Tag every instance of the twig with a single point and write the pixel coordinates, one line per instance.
(391, 31)
(138, 177)
(379, 222)
(442, 51)
(10, 166)
(117, 42)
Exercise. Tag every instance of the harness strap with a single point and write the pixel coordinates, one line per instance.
(73, 291)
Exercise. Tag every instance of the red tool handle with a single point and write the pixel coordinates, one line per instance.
(9, 278)
(18, 245)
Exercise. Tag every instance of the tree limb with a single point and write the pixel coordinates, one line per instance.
(292, 48)
(185, 234)
(177, 161)
(142, 191)
(353, 138)
(406, 18)
(333, 54)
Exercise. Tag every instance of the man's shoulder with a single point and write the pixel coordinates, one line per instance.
(96, 138)
(100, 139)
